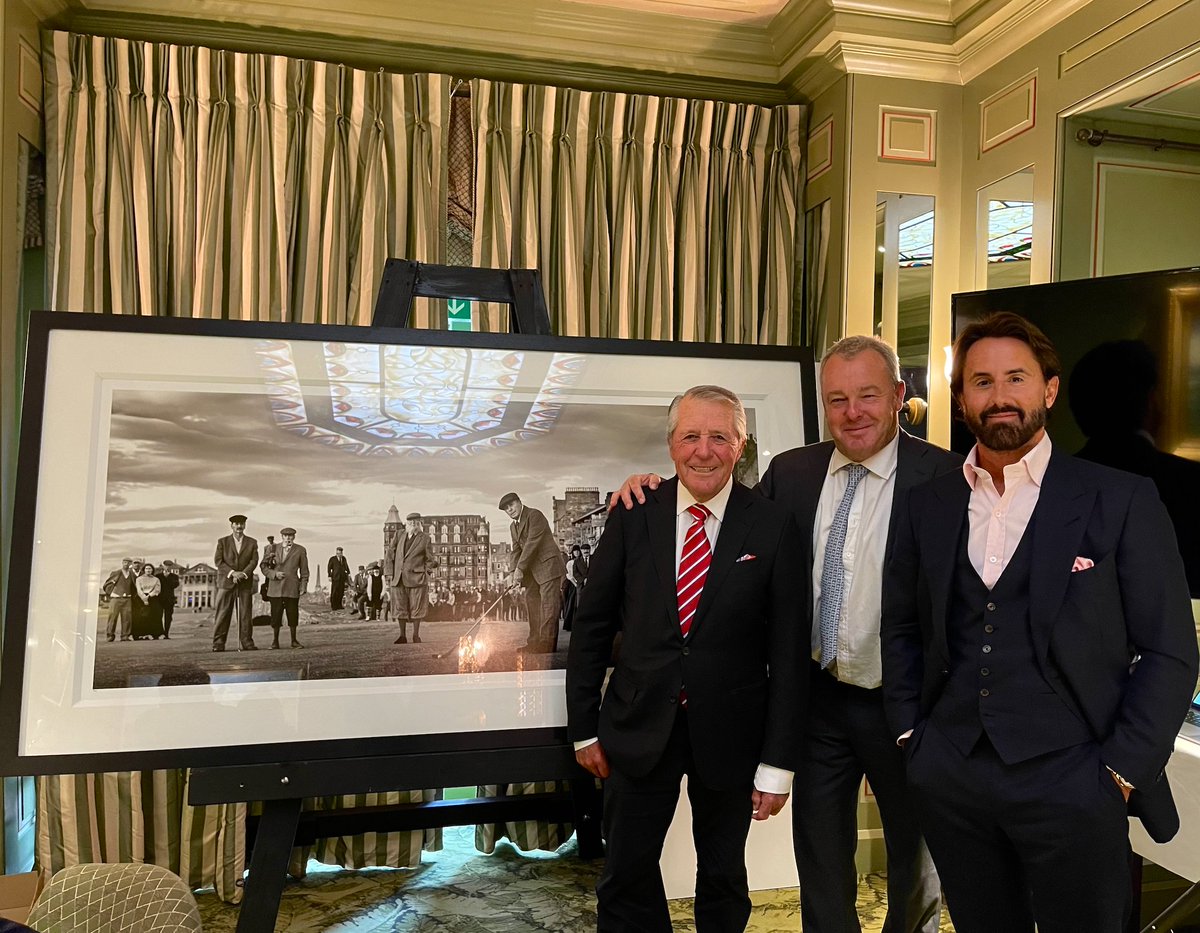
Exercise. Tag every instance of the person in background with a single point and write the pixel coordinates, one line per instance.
(147, 607)
(120, 588)
(168, 581)
(339, 574)
(288, 582)
(236, 557)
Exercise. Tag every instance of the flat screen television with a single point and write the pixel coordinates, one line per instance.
(1130, 388)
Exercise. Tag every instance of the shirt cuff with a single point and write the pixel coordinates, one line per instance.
(585, 743)
(904, 738)
(771, 780)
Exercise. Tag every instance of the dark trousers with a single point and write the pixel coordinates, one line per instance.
(847, 737)
(241, 597)
(637, 814)
(280, 605)
(543, 600)
(168, 615)
(1043, 841)
(337, 589)
(120, 617)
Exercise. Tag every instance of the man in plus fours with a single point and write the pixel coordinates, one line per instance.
(288, 582)
(537, 565)
(710, 681)
(1038, 656)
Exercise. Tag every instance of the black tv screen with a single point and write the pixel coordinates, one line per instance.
(1130, 385)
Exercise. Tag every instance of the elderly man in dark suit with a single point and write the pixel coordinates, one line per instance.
(537, 565)
(287, 582)
(710, 681)
(236, 557)
(407, 564)
(844, 495)
(1038, 656)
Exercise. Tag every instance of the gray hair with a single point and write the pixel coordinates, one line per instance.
(850, 347)
(708, 394)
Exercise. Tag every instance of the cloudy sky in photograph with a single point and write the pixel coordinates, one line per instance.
(181, 462)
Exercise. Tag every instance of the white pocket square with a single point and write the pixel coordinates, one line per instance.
(1082, 563)
(746, 557)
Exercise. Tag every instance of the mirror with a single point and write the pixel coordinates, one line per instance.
(903, 289)
(1005, 236)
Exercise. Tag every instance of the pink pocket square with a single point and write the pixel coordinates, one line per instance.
(746, 557)
(1082, 563)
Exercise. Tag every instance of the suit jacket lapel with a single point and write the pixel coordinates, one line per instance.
(734, 528)
(660, 526)
(808, 496)
(938, 544)
(1059, 521)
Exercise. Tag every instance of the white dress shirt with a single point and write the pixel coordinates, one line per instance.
(767, 778)
(998, 522)
(858, 654)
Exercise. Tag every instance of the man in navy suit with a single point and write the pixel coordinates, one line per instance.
(846, 733)
(1038, 656)
(710, 681)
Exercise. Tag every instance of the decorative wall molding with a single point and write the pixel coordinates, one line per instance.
(1108, 168)
(820, 149)
(1008, 113)
(29, 76)
(907, 134)
(1122, 28)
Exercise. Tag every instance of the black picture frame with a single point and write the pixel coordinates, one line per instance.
(48, 646)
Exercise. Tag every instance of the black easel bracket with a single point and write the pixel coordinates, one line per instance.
(403, 280)
(291, 779)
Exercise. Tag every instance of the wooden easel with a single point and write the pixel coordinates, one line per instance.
(283, 787)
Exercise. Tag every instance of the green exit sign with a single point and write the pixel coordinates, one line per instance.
(458, 315)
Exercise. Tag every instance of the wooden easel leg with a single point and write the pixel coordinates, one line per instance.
(268, 866)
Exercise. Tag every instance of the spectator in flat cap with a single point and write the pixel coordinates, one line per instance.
(538, 565)
(407, 564)
(236, 557)
(287, 582)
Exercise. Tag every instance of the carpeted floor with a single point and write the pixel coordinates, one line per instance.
(459, 890)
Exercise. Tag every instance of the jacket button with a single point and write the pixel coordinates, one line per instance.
(673, 699)
(991, 607)
(987, 649)
(687, 651)
(989, 629)
(984, 671)
(985, 692)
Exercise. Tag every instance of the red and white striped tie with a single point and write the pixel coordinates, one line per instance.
(693, 567)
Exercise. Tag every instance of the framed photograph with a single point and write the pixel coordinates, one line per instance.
(240, 543)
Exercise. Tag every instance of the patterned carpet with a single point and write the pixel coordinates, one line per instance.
(459, 890)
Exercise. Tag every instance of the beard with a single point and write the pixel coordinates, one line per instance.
(1006, 435)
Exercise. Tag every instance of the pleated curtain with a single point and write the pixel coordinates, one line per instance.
(192, 182)
(195, 182)
(650, 217)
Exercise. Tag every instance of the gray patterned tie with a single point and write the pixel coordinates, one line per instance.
(833, 570)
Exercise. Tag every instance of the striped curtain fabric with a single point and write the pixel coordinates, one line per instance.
(650, 217)
(195, 182)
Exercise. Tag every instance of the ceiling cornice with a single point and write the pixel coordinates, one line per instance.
(801, 50)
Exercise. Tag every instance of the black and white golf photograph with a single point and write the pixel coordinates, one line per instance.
(309, 539)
